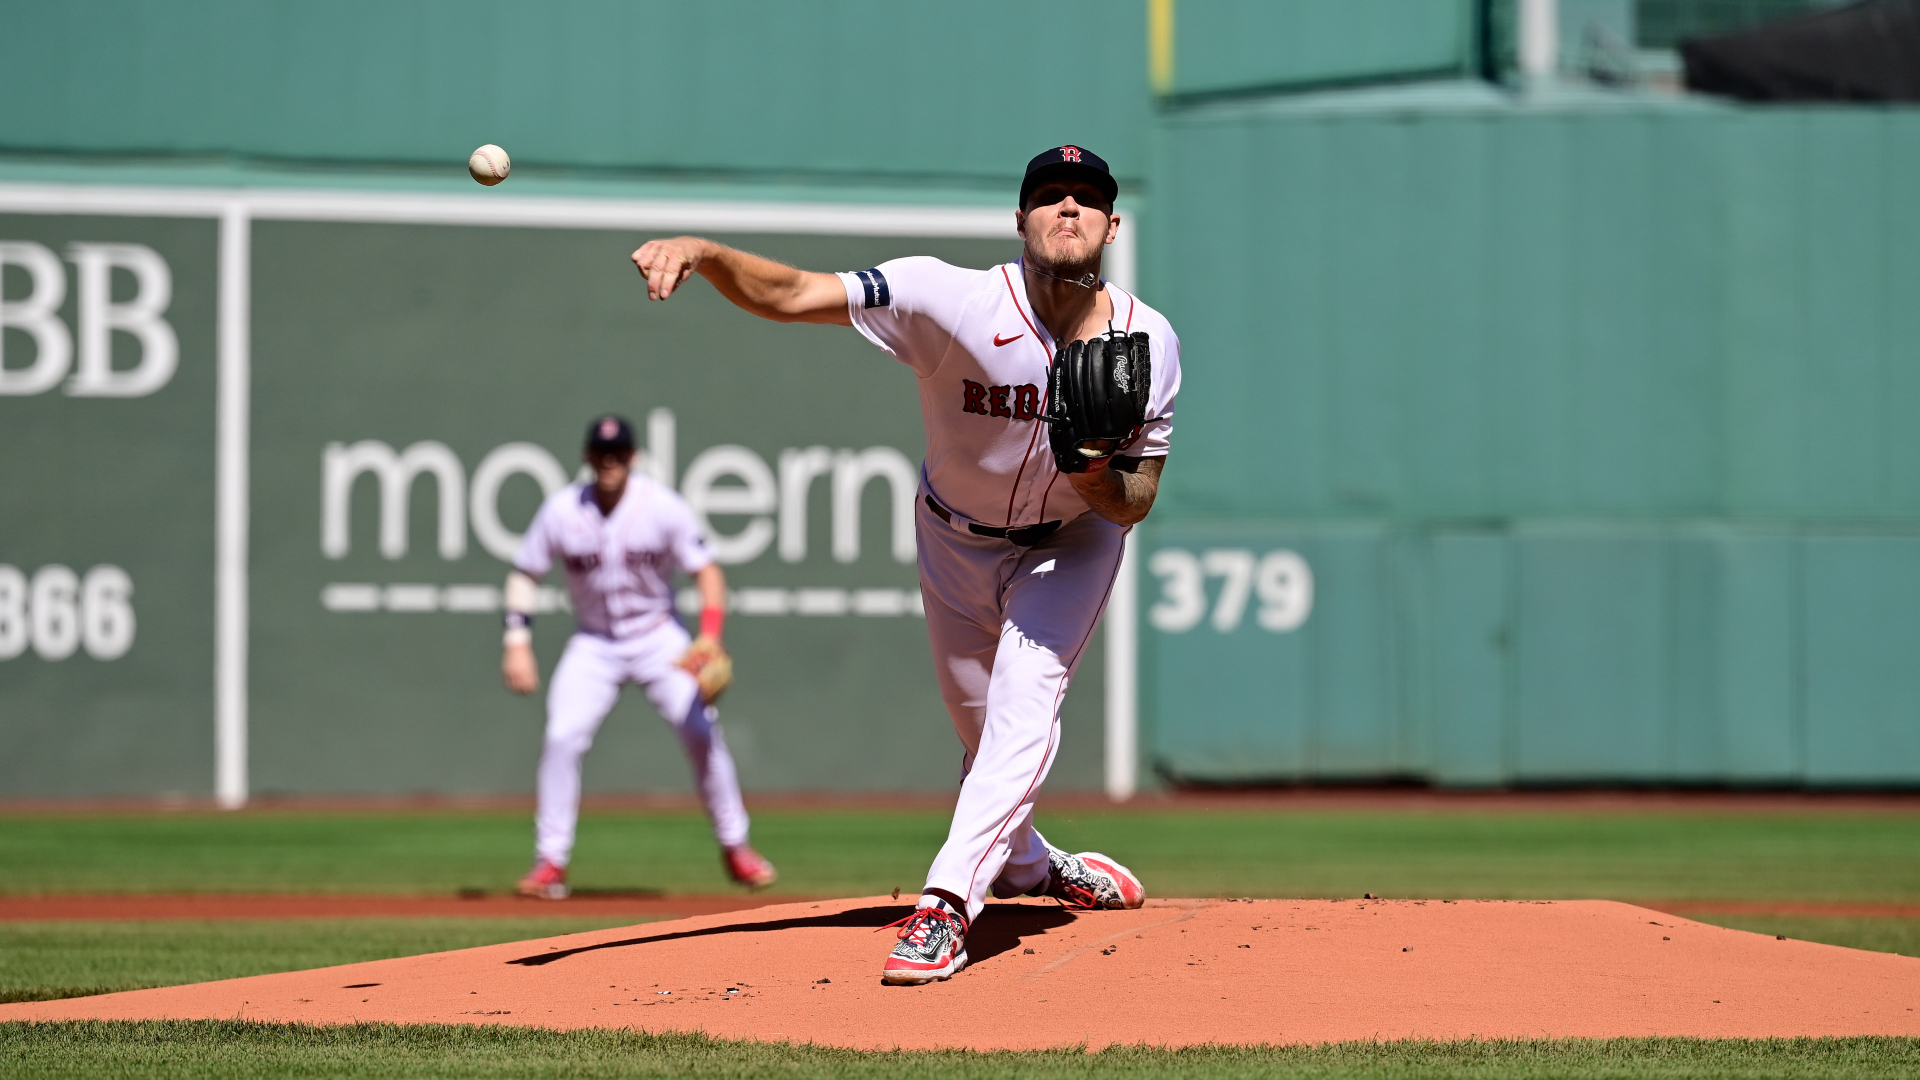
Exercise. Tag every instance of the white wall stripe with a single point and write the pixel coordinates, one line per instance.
(399, 208)
(1122, 754)
(232, 420)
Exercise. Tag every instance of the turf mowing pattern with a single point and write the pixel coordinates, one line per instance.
(1827, 856)
(244, 1051)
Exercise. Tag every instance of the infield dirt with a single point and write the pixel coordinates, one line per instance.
(1177, 972)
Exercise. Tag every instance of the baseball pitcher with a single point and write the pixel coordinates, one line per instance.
(1047, 397)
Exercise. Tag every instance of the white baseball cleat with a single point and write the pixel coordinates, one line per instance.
(1089, 881)
(932, 947)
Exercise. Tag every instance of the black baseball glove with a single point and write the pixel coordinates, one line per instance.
(1097, 399)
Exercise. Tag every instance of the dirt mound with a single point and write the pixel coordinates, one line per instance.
(1177, 972)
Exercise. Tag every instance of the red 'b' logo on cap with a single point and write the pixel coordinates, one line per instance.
(609, 428)
(1070, 153)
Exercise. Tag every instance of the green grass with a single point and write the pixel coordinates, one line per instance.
(1877, 935)
(1859, 857)
(41, 960)
(221, 1049)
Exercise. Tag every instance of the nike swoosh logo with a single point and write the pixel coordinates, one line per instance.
(999, 341)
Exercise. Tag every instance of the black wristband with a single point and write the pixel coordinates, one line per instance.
(518, 620)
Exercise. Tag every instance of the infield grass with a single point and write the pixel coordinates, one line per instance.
(1875, 935)
(244, 1051)
(1826, 856)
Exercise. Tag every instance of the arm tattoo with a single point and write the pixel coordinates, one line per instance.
(1122, 492)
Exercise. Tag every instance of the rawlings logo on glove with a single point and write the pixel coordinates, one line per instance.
(1097, 399)
(710, 665)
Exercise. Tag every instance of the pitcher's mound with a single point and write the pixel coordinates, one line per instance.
(1176, 972)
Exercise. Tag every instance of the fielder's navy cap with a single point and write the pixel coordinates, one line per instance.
(1069, 162)
(609, 432)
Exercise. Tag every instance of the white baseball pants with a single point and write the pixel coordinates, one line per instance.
(586, 683)
(1008, 626)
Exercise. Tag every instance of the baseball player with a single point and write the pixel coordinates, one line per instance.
(1020, 525)
(621, 536)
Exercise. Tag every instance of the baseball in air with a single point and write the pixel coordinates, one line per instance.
(489, 165)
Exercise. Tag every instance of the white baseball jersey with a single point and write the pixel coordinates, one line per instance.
(1008, 624)
(619, 566)
(982, 358)
(620, 572)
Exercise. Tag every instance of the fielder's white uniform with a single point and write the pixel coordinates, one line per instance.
(620, 574)
(1008, 623)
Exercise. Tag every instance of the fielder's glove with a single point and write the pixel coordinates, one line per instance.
(712, 668)
(1097, 399)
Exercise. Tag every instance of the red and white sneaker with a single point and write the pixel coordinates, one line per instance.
(933, 946)
(1089, 881)
(544, 882)
(748, 867)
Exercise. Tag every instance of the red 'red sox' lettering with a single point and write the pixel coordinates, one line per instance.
(994, 400)
(1026, 402)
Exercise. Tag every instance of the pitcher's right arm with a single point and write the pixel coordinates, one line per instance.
(755, 284)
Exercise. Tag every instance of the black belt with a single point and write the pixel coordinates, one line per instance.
(1025, 535)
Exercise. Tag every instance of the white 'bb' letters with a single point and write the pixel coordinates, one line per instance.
(99, 317)
(38, 313)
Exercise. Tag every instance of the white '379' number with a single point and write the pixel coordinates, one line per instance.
(1281, 579)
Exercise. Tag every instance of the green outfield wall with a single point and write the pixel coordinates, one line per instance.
(106, 509)
(1525, 438)
(1239, 47)
(1590, 418)
(415, 389)
(850, 88)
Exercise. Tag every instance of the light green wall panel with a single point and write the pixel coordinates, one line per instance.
(1355, 727)
(1862, 635)
(1236, 46)
(1589, 698)
(1546, 653)
(1237, 692)
(1733, 655)
(1470, 640)
(850, 87)
(1642, 310)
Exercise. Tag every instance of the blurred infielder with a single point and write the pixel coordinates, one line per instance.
(621, 536)
(1014, 569)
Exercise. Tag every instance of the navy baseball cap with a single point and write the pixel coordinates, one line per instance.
(1069, 162)
(609, 433)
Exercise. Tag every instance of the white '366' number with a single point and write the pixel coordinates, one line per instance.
(60, 611)
(1281, 579)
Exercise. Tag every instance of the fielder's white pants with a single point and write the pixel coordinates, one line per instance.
(1008, 626)
(586, 683)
